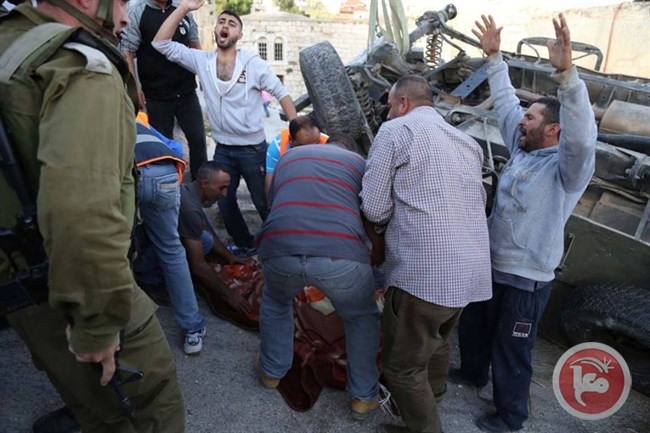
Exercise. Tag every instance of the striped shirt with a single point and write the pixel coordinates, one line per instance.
(314, 201)
(423, 179)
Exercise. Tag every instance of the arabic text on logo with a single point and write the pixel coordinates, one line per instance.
(591, 381)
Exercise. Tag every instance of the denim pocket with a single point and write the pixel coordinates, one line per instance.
(166, 192)
(328, 267)
(262, 147)
(275, 277)
(338, 276)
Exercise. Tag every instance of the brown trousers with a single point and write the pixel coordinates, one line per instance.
(157, 399)
(416, 356)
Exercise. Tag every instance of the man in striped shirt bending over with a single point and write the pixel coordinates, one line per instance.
(314, 235)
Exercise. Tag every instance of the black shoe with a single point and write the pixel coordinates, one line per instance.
(493, 423)
(60, 421)
(392, 428)
(455, 376)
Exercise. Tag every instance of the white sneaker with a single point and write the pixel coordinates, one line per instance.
(194, 342)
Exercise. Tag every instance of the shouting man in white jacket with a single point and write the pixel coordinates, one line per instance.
(232, 80)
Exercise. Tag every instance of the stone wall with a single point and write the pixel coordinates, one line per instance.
(205, 18)
(347, 37)
(621, 31)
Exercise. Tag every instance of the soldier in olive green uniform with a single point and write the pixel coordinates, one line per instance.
(72, 127)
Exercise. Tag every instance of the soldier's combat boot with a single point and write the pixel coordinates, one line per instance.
(59, 421)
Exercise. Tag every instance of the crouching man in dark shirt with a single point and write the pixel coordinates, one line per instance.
(198, 236)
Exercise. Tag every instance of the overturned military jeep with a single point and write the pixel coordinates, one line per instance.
(602, 287)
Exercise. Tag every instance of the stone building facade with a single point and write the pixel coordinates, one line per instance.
(279, 36)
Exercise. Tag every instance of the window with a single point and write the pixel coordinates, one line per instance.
(278, 55)
(261, 49)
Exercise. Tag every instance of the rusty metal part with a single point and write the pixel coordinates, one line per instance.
(527, 95)
(587, 49)
(599, 112)
(432, 21)
(626, 118)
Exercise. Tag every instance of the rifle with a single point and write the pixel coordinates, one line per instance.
(27, 284)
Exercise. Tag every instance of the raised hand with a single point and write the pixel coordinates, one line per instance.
(559, 50)
(489, 34)
(191, 5)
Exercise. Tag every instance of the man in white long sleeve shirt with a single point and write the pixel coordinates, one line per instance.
(232, 82)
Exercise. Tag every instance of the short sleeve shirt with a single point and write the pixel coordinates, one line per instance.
(273, 154)
(192, 221)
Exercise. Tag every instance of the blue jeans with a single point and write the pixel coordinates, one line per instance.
(350, 286)
(501, 332)
(249, 162)
(159, 198)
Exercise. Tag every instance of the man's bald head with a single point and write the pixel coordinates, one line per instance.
(410, 92)
(415, 88)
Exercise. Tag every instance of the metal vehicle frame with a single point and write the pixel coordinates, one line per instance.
(602, 286)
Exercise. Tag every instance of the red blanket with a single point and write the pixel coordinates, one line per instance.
(319, 358)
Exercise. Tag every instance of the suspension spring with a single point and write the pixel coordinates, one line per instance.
(434, 49)
(367, 107)
(363, 96)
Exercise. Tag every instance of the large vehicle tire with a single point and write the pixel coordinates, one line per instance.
(615, 314)
(335, 105)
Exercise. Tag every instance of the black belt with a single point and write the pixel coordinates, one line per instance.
(242, 145)
(161, 162)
